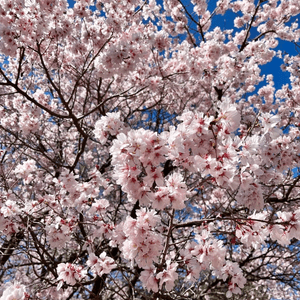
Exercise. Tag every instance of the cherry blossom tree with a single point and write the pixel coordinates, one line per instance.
(144, 155)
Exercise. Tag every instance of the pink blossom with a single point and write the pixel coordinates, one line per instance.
(149, 280)
(99, 206)
(102, 264)
(168, 276)
(70, 273)
(142, 243)
(14, 291)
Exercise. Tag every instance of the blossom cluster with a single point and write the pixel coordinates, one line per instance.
(142, 244)
(14, 291)
(100, 265)
(108, 125)
(136, 157)
(70, 273)
(154, 280)
(207, 253)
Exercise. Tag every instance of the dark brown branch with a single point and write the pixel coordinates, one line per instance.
(23, 93)
(8, 247)
(22, 54)
(244, 44)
